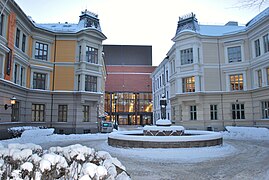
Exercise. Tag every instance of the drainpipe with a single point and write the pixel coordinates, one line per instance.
(220, 81)
(53, 81)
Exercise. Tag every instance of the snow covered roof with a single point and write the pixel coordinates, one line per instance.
(259, 17)
(88, 20)
(220, 30)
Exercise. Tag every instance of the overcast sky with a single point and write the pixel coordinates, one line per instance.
(140, 22)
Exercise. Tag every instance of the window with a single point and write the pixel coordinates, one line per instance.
(62, 113)
(267, 72)
(86, 113)
(236, 82)
(234, 54)
(2, 25)
(15, 113)
(186, 56)
(23, 43)
(193, 113)
(265, 109)
(41, 51)
(188, 84)
(266, 43)
(238, 111)
(39, 81)
(259, 75)
(17, 40)
(90, 83)
(213, 112)
(16, 69)
(166, 75)
(79, 53)
(92, 55)
(38, 112)
(78, 82)
(257, 48)
(22, 76)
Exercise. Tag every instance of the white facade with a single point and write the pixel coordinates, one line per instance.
(160, 86)
(219, 75)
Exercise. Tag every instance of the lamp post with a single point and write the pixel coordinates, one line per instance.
(12, 103)
(115, 106)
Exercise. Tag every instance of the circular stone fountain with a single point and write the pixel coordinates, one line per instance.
(163, 135)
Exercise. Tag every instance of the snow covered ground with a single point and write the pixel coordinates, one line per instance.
(245, 153)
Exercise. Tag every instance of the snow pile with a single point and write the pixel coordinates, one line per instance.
(246, 133)
(29, 161)
(17, 131)
(33, 133)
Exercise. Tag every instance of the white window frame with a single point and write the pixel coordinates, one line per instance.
(186, 62)
(255, 48)
(240, 110)
(20, 81)
(193, 112)
(234, 45)
(214, 111)
(43, 70)
(44, 41)
(228, 83)
(265, 109)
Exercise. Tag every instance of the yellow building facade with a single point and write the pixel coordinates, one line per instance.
(55, 71)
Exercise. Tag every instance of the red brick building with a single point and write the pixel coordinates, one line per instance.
(128, 85)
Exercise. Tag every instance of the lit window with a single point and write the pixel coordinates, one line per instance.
(266, 43)
(186, 56)
(41, 51)
(236, 82)
(257, 48)
(193, 113)
(234, 54)
(38, 112)
(265, 109)
(188, 84)
(91, 83)
(238, 111)
(213, 112)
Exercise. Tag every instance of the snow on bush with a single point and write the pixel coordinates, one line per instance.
(30, 161)
(17, 131)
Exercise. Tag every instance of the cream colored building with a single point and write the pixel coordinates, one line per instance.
(219, 75)
(56, 72)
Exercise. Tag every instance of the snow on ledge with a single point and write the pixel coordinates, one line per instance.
(138, 136)
(164, 128)
(163, 122)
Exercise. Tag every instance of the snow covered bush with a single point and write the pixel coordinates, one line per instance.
(30, 161)
(17, 131)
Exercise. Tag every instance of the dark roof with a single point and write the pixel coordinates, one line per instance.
(128, 55)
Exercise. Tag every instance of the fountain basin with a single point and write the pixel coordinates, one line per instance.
(191, 138)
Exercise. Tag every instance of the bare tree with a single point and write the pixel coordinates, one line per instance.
(252, 3)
